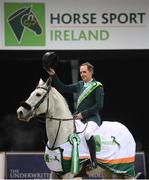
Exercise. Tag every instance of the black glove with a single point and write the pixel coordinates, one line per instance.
(49, 60)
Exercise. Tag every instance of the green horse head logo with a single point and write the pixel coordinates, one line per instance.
(22, 19)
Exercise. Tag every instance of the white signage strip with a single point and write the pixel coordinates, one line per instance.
(2, 165)
(74, 24)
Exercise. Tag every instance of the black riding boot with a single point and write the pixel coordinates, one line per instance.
(92, 149)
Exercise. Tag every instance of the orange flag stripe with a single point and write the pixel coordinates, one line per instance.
(117, 161)
(111, 161)
(81, 157)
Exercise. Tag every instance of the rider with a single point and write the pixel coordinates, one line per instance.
(90, 101)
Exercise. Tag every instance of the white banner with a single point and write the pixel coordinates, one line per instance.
(74, 24)
(2, 165)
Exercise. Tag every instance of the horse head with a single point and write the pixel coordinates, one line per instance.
(22, 18)
(45, 99)
(37, 103)
(30, 21)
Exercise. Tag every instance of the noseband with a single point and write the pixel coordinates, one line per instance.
(33, 109)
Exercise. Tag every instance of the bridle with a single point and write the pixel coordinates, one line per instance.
(42, 99)
(34, 108)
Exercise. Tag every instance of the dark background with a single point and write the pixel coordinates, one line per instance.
(124, 74)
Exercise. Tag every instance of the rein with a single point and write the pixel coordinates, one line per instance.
(71, 119)
(60, 121)
(57, 119)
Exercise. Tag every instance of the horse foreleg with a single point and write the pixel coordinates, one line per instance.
(121, 176)
(100, 172)
(53, 175)
(68, 176)
(129, 177)
(107, 174)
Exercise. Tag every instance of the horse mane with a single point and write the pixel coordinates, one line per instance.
(61, 100)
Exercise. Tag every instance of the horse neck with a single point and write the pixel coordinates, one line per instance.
(60, 111)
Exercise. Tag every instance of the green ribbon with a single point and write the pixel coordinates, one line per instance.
(92, 85)
(74, 139)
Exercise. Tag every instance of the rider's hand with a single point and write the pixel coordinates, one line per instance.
(77, 116)
(51, 72)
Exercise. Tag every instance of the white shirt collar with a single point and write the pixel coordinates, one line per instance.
(87, 83)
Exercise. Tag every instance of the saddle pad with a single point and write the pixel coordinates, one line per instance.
(53, 159)
(115, 147)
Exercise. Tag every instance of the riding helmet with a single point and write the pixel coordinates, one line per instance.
(49, 60)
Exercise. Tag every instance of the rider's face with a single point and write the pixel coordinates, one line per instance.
(85, 74)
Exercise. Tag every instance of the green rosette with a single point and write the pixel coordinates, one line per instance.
(74, 139)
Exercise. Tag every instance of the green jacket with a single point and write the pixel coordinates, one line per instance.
(91, 105)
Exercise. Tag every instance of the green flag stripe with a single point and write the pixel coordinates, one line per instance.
(122, 168)
(87, 91)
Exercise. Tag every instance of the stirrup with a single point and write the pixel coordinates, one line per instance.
(94, 164)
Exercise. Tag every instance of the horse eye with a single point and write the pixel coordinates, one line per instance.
(30, 17)
(38, 94)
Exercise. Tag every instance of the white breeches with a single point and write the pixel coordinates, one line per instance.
(90, 129)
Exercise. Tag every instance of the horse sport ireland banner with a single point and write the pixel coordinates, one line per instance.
(74, 24)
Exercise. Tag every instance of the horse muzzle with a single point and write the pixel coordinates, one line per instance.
(24, 114)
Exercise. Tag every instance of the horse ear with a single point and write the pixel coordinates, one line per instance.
(48, 82)
(41, 82)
